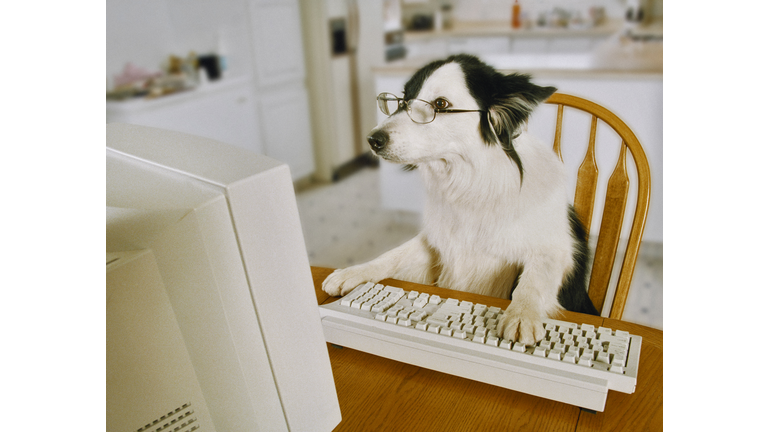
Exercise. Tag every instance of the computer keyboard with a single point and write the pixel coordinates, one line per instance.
(575, 364)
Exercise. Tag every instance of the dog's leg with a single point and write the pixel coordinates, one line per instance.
(534, 299)
(414, 261)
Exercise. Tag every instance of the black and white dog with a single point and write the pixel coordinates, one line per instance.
(497, 219)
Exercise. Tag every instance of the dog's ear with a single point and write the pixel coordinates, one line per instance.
(511, 105)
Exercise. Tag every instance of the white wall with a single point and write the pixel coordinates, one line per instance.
(146, 32)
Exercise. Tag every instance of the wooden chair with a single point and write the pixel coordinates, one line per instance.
(615, 201)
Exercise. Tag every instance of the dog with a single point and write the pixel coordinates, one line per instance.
(497, 220)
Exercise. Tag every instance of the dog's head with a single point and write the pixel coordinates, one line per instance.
(497, 107)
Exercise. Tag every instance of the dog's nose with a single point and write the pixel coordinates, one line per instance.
(378, 140)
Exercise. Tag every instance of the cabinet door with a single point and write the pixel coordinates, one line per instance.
(286, 129)
(225, 115)
(277, 45)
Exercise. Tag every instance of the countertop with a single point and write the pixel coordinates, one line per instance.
(143, 103)
(503, 28)
(619, 55)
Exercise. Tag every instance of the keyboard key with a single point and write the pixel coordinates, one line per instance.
(622, 334)
(395, 290)
(461, 334)
(437, 321)
(616, 369)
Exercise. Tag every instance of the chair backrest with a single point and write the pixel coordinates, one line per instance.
(615, 201)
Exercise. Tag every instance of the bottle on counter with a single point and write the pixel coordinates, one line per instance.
(516, 15)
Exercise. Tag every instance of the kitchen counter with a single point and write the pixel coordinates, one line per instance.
(133, 105)
(605, 51)
(616, 61)
(503, 28)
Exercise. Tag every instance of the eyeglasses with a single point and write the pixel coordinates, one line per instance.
(418, 110)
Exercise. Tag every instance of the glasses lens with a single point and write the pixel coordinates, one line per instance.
(388, 103)
(420, 111)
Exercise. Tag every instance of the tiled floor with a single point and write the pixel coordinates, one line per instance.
(344, 224)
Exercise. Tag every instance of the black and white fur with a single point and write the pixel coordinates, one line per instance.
(497, 219)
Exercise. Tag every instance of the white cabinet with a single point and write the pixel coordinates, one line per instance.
(224, 111)
(278, 56)
(277, 45)
(285, 124)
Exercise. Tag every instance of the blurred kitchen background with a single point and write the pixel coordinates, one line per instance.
(297, 80)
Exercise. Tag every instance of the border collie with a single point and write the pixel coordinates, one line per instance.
(497, 220)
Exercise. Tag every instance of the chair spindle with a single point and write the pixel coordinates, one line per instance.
(610, 230)
(584, 201)
(558, 132)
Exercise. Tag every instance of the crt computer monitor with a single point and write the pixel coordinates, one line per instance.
(212, 319)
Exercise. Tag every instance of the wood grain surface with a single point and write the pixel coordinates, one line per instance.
(378, 394)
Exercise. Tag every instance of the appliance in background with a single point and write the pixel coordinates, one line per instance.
(638, 12)
(345, 40)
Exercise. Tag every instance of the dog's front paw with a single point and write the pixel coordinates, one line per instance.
(342, 281)
(518, 327)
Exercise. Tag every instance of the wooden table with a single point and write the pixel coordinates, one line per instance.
(378, 394)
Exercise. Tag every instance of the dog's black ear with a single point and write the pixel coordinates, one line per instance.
(513, 102)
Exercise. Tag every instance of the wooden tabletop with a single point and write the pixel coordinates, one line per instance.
(376, 393)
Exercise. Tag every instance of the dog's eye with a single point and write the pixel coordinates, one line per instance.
(442, 103)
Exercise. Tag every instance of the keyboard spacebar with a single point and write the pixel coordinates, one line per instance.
(427, 350)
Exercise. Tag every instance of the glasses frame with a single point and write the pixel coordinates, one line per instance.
(383, 97)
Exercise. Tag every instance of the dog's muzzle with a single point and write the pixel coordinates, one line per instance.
(378, 140)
